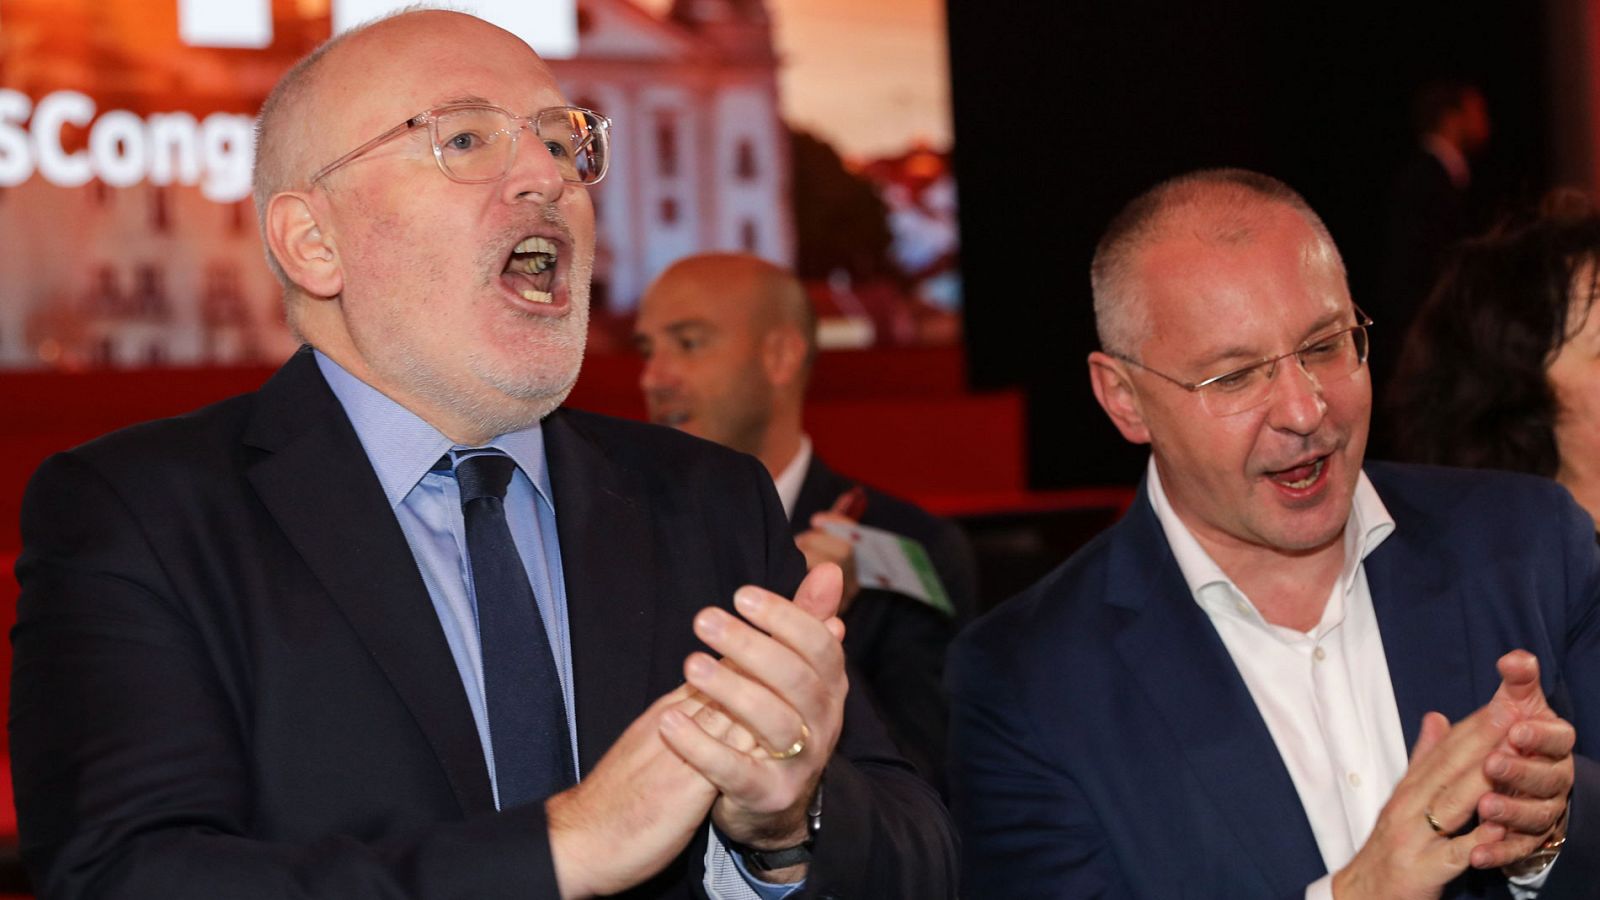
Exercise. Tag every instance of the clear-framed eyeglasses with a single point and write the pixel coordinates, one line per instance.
(475, 143)
(1327, 358)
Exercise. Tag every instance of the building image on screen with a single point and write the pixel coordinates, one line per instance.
(128, 236)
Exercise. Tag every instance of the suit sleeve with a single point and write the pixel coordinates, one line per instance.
(899, 644)
(130, 750)
(885, 834)
(1026, 829)
(1577, 871)
(958, 568)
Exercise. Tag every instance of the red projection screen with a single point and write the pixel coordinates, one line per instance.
(812, 132)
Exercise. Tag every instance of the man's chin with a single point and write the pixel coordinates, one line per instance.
(691, 427)
(518, 398)
(1307, 531)
(675, 420)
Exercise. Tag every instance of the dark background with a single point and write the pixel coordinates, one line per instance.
(1066, 110)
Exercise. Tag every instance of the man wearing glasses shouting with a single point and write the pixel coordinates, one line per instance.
(394, 626)
(1216, 697)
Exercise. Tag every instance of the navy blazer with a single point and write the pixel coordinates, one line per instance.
(896, 644)
(230, 681)
(1104, 745)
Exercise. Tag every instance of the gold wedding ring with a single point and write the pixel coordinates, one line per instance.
(1434, 823)
(794, 748)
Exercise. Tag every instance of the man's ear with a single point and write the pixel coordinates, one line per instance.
(298, 243)
(1113, 388)
(783, 355)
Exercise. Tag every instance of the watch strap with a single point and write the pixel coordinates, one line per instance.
(783, 857)
(1544, 855)
(772, 860)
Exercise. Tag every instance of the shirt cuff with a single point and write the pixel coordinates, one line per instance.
(728, 879)
(1527, 887)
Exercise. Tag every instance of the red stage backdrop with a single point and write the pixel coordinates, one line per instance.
(812, 132)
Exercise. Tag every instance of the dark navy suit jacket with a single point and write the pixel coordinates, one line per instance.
(230, 681)
(895, 643)
(1104, 745)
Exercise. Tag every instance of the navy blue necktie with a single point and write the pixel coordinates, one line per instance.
(527, 716)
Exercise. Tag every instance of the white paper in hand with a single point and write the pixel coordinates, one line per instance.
(890, 562)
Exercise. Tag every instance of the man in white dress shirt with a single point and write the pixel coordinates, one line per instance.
(1216, 697)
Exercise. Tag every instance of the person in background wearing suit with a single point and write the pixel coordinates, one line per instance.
(1430, 206)
(1214, 697)
(728, 342)
(394, 625)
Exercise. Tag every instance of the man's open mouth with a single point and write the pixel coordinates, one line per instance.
(531, 270)
(1302, 476)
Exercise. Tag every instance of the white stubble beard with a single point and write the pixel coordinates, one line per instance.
(498, 397)
(558, 343)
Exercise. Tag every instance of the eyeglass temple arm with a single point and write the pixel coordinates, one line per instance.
(408, 125)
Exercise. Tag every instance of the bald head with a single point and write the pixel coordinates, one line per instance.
(728, 341)
(464, 301)
(320, 109)
(1218, 206)
(741, 285)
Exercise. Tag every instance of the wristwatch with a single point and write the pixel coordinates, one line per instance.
(783, 858)
(1540, 859)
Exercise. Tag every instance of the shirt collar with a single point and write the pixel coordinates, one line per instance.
(1369, 524)
(403, 447)
(793, 476)
(1451, 158)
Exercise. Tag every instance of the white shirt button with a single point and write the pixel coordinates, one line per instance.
(1355, 780)
(1319, 654)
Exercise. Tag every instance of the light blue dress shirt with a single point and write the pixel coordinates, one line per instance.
(403, 450)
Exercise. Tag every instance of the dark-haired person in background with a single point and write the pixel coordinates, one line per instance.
(1502, 368)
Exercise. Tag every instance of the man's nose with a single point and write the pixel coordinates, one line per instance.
(534, 174)
(1297, 403)
(656, 375)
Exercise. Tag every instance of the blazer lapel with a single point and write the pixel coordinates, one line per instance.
(1422, 618)
(1174, 653)
(818, 491)
(319, 486)
(607, 557)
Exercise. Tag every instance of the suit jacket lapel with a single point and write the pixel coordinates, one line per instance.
(1422, 617)
(319, 486)
(607, 556)
(818, 491)
(1174, 653)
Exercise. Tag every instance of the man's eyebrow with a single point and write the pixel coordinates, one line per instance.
(1244, 354)
(1323, 325)
(1237, 352)
(676, 329)
(685, 325)
(463, 100)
